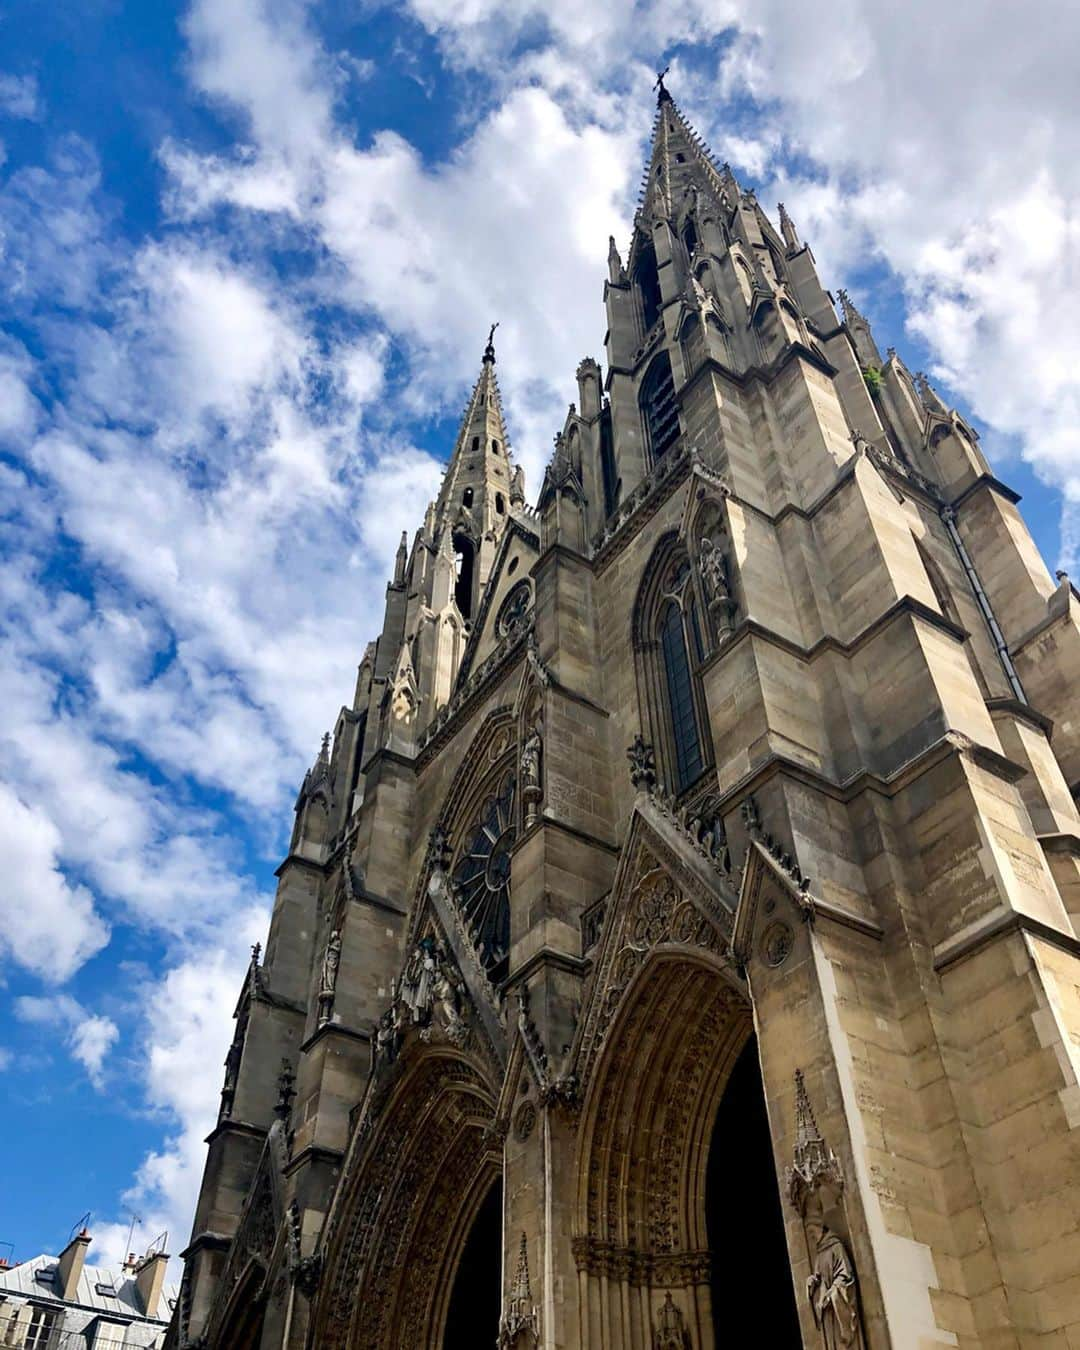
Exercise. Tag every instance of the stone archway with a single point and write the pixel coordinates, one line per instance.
(406, 1210)
(648, 1124)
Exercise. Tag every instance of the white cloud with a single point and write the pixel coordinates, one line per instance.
(183, 1077)
(89, 1036)
(19, 97)
(51, 926)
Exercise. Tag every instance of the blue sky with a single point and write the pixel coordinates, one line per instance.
(251, 249)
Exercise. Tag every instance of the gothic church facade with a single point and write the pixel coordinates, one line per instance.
(678, 941)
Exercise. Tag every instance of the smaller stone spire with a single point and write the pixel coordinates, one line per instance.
(519, 1327)
(814, 1163)
(401, 560)
(931, 399)
(787, 228)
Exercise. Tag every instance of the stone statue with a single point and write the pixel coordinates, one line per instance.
(815, 1187)
(714, 578)
(831, 1286)
(447, 998)
(328, 978)
(417, 979)
(531, 789)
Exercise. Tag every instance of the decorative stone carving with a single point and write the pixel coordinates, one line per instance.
(671, 1333)
(776, 943)
(286, 1084)
(531, 788)
(520, 1325)
(428, 995)
(752, 820)
(328, 975)
(716, 583)
(642, 759)
(525, 1121)
(815, 1186)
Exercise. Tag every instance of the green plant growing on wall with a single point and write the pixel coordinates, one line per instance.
(872, 376)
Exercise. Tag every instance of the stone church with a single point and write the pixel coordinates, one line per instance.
(677, 946)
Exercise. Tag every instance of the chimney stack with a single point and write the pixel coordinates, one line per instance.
(70, 1265)
(149, 1279)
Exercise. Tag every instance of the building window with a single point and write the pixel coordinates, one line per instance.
(668, 640)
(39, 1329)
(495, 447)
(467, 497)
(481, 876)
(647, 277)
(658, 408)
(500, 504)
(464, 554)
(690, 236)
(476, 442)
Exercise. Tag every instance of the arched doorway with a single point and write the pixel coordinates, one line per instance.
(472, 1316)
(744, 1220)
(680, 1234)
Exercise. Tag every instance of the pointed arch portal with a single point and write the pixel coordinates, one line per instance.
(678, 1220)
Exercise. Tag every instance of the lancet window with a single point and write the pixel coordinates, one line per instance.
(671, 645)
(658, 408)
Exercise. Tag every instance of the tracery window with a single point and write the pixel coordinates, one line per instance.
(515, 609)
(670, 641)
(481, 876)
(658, 409)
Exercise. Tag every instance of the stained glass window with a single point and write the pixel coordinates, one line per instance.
(481, 877)
(684, 729)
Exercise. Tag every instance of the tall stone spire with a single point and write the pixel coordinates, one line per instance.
(474, 501)
(678, 159)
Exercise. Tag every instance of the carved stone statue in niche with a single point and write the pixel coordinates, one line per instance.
(531, 789)
(815, 1186)
(328, 976)
(717, 584)
(670, 1328)
(831, 1286)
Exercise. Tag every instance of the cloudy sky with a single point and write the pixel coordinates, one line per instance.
(250, 251)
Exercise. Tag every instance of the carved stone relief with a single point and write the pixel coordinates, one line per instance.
(815, 1186)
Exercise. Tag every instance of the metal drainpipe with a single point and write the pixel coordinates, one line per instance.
(948, 515)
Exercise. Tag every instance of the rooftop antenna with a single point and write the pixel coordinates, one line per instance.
(131, 1233)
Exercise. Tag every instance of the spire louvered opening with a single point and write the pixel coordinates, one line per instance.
(647, 278)
(658, 407)
(464, 555)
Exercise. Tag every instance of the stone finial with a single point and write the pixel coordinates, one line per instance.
(813, 1164)
(256, 953)
(642, 759)
(286, 1091)
(670, 1327)
(787, 228)
(519, 1327)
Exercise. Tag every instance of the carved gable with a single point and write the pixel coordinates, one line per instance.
(668, 892)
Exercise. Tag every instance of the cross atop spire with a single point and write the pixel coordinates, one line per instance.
(662, 95)
(489, 350)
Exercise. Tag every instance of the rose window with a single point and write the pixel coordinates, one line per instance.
(514, 609)
(481, 877)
